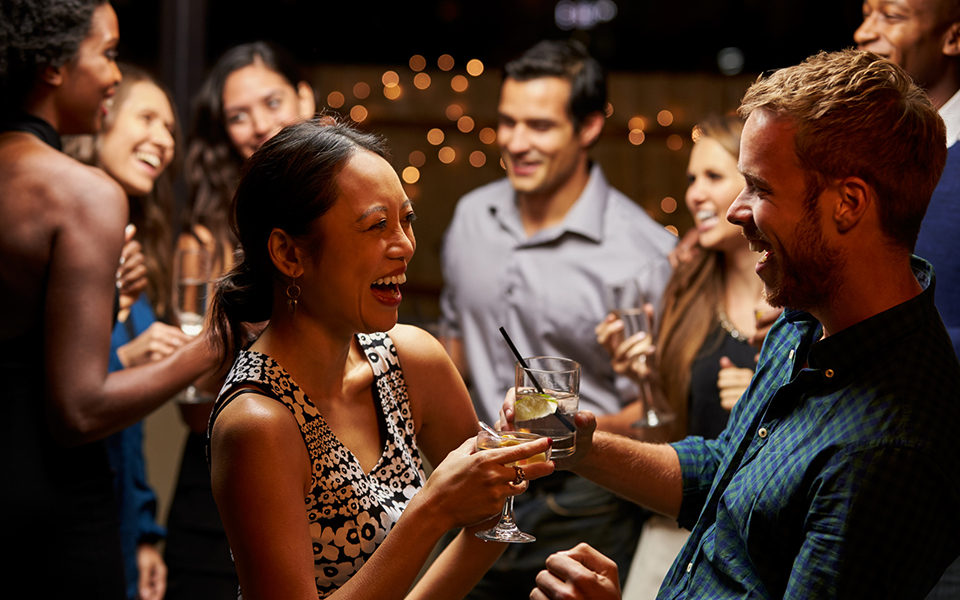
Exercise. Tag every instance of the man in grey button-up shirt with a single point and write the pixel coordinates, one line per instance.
(532, 253)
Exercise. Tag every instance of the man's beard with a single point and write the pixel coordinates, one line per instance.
(809, 272)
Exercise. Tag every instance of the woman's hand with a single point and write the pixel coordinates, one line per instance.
(732, 382)
(132, 272)
(470, 486)
(158, 341)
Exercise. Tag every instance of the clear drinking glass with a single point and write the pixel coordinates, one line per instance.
(627, 301)
(548, 397)
(506, 530)
(192, 269)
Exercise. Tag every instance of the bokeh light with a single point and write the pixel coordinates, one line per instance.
(390, 78)
(417, 62)
(445, 62)
(361, 90)
(475, 67)
(608, 110)
(668, 205)
(392, 92)
(417, 158)
(674, 142)
(488, 135)
(636, 137)
(411, 175)
(478, 158)
(665, 118)
(459, 83)
(637, 123)
(447, 155)
(454, 112)
(465, 124)
(672, 230)
(435, 136)
(421, 81)
(358, 113)
(335, 99)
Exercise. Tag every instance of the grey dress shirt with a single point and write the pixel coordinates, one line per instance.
(546, 290)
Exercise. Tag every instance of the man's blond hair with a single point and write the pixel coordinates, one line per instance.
(857, 114)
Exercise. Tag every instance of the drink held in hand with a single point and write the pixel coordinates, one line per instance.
(548, 397)
(506, 530)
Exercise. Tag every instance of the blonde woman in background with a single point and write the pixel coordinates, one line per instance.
(702, 360)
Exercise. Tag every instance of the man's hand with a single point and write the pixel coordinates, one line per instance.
(153, 573)
(581, 573)
(586, 423)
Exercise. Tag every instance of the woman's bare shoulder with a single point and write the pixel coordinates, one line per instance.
(415, 344)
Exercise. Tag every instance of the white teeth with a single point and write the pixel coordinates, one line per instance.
(396, 279)
(151, 159)
(703, 215)
(755, 246)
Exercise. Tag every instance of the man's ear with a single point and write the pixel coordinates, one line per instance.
(951, 40)
(855, 197)
(284, 254)
(590, 129)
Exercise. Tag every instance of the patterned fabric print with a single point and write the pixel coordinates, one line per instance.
(350, 512)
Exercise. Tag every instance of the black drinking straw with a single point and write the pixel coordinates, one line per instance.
(566, 422)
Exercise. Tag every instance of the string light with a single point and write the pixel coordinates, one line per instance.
(421, 81)
(445, 62)
(411, 175)
(488, 135)
(447, 155)
(417, 63)
(465, 124)
(335, 99)
(454, 112)
(361, 90)
(459, 83)
(435, 136)
(417, 158)
(478, 158)
(358, 113)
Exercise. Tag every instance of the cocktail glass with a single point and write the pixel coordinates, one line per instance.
(506, 530)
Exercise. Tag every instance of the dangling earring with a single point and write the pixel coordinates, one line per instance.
(293, 294)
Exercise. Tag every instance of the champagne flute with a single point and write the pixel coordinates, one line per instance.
(192, 269)
(506, 529)
(628, 302)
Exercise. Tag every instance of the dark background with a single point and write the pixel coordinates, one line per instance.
(180, 39)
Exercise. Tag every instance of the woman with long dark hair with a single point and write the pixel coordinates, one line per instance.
(251, 92)
(317, 436)
(136, 146)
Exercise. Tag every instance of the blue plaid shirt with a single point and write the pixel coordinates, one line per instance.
(837, 478)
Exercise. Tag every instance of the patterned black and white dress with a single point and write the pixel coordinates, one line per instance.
(350, 512)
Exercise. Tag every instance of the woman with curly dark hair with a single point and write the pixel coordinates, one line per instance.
(61, 232)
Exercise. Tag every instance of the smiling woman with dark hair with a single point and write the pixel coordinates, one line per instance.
(61, 233)
(316, 439)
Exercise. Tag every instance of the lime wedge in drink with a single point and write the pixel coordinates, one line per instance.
(534, 406)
